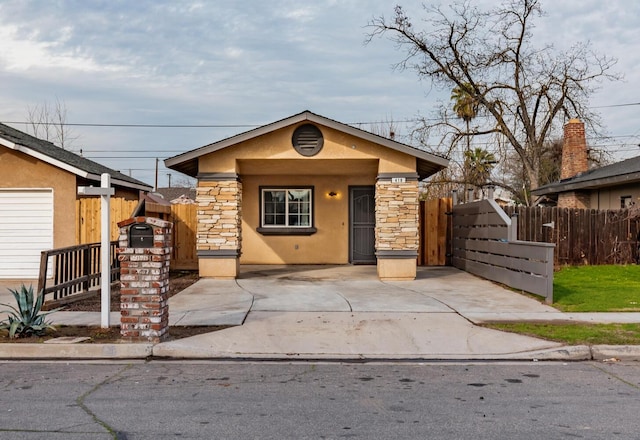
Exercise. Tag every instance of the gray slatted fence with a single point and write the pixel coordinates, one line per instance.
(485, 244)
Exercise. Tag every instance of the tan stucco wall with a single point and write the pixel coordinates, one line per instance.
(277, 146)
(610, 198)
(329, 245)
(271, 160)
(18, 170)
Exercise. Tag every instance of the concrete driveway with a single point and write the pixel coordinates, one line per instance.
(347, 312)
(340, 312)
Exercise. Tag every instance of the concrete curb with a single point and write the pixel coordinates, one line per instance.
(567, 353)
(619, 352)
(75, 351)
(145, 351)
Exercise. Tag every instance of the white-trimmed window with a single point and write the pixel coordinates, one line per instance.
(286, 210)
(626, 202)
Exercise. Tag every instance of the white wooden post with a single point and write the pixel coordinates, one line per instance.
(105, 192)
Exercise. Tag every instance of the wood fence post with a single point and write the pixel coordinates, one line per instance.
(42, 277)
(86, 262)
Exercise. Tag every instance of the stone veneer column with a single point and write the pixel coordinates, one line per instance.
(219, 234)
(397, 218)
(144, 282)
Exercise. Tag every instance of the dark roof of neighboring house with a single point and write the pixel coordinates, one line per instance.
(173, 193)
(64, 159)
(427, 163)
(619, 173)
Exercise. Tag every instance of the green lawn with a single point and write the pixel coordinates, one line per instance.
(597, 289)
(574, 333)
(589, 289)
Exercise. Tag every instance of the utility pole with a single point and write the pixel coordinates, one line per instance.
(169, 174)
(155, 188)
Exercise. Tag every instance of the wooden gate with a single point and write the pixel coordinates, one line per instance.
(435, 232)
(184, 256)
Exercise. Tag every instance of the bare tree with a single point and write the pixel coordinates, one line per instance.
(523, 93)
(182, 181)
(49, 122)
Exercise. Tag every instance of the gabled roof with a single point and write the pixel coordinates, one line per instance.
(620, 173)
(175, 192)
(187, 163)
(64, 159)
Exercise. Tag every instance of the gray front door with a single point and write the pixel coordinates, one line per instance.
(362, 224)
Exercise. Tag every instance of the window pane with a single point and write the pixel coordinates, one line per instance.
(302, 195)
(274, 208)
(290, 207)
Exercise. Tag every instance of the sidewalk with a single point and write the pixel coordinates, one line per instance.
(343, 313)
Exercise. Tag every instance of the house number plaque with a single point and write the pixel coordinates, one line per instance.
(398, 180)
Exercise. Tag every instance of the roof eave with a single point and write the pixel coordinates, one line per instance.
(588, 184)
(184, 163)
(69, 168)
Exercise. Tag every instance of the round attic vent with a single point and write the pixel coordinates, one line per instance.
(307, 140)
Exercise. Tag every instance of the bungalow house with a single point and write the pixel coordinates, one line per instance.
(307, 190)
(615, 186)
(38, 191)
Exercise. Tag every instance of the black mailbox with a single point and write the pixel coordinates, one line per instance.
(141, 236)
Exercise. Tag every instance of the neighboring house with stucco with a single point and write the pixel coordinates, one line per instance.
(615, 186)
(307, 190)
(38, 191)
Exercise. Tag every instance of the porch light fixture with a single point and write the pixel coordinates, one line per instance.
(332, 194)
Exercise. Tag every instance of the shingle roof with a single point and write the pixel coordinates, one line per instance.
(56, 156)
(172, 193)
(619, 173)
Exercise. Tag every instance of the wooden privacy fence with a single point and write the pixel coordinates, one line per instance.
(582, 236)
(485, 244)
(183, 217)
(88, 217)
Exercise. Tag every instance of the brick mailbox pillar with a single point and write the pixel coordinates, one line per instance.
(144, 253)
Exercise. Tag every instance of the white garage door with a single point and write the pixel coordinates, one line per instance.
(26, 229)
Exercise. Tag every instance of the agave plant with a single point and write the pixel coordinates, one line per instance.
(27, 319)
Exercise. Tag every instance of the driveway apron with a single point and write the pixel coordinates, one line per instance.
(346, 312)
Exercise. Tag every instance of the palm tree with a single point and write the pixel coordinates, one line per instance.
(466, 107)
(478, 163)
(465, 104)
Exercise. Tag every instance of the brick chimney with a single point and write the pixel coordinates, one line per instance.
(574, 150)
(574, 162)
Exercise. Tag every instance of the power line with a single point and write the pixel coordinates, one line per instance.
(77, 124)
(81, 124)
(618, 105)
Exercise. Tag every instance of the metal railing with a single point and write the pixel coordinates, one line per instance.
(74, 272)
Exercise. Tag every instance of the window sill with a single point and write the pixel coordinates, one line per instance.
(287, 231)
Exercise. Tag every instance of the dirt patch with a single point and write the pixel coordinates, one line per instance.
(178, 281)
(99, 335)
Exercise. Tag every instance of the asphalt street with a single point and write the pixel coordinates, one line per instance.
(240, 400)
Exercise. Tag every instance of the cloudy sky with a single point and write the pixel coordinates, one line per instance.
(238, 64)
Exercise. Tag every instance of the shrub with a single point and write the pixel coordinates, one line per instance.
(27, 319)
